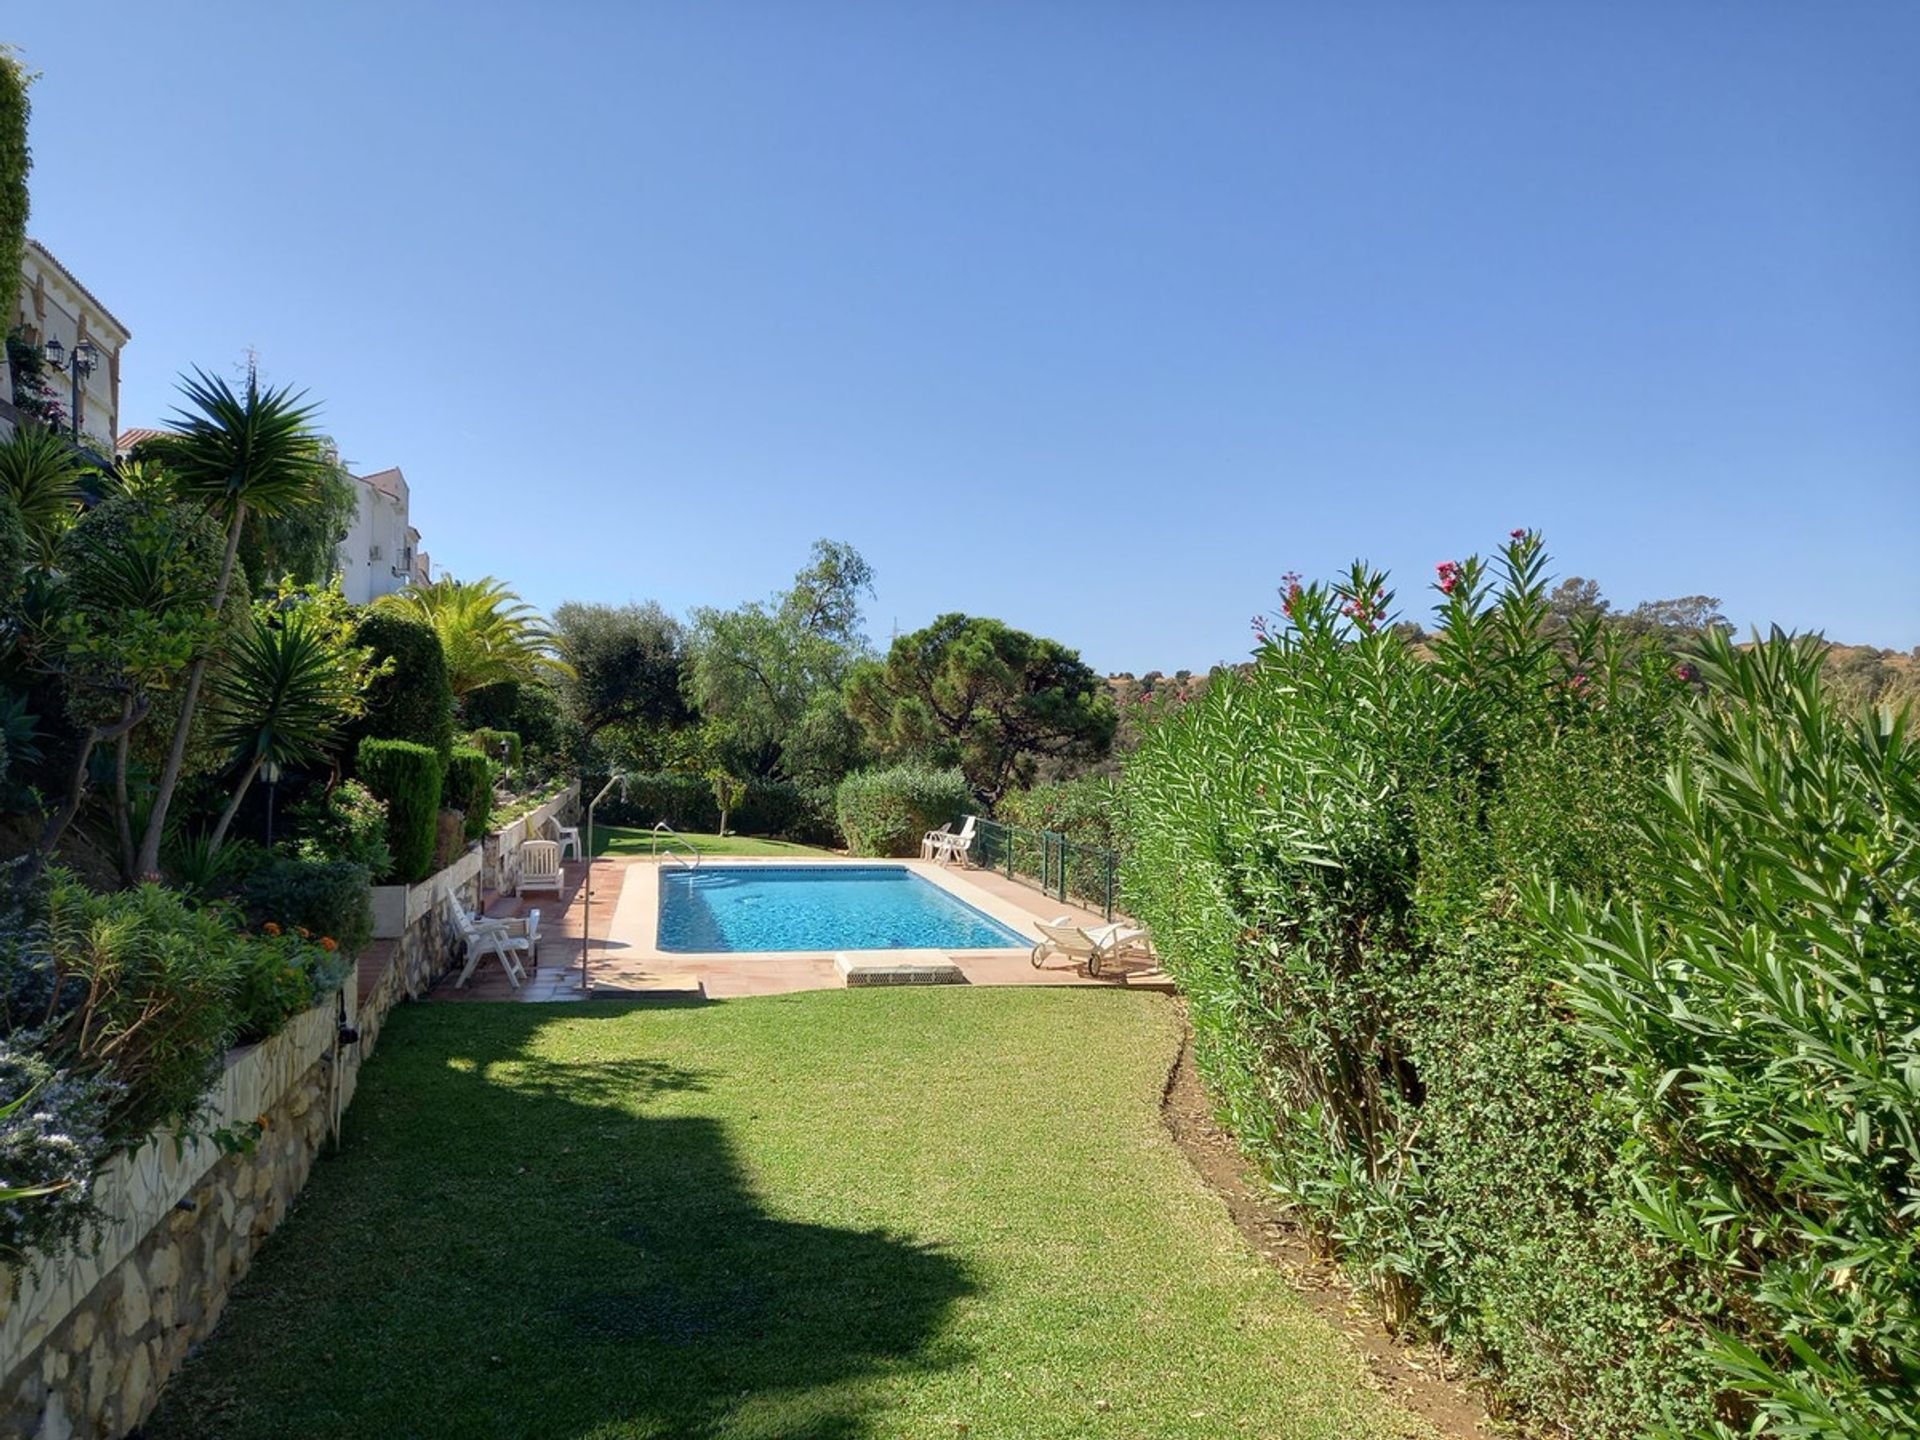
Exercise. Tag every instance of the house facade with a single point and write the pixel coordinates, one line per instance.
(381, 553)
(55, 307)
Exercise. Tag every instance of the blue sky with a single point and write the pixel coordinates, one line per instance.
(1096, 317)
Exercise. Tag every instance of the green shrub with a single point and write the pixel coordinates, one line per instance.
(413, 700)
(327, 898)
(135, 988)
(469, 789)
(348, 822)
(886, 812)
(1085, 810)
(500, 746)
(408, 777)
(1756, 1006)
(277, 976)
(1330, 850)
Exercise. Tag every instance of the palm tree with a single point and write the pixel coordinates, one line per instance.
(490, 636)
(281, 697)
(239, 453)
(42, 473)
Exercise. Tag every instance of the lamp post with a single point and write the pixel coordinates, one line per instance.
(586, 922)
(270, 775)
(79, 365)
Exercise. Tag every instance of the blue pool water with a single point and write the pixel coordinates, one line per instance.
(818, 907)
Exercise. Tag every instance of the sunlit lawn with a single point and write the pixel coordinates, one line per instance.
(945, 1212)
(631, 840)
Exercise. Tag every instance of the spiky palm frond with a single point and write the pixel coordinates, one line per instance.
(44, 476)
(490, 635)
(282, 694)
(253, 449)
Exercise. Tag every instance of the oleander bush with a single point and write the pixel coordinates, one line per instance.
(1570, 991)
(1330, 850)
(886, 812)
(408, 777)
(468, 788)
(1755, 1005)
(1085, 809)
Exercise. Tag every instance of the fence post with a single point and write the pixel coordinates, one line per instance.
(1107, 865)
(1063, 869)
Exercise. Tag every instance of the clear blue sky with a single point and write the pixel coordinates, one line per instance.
(1097, 317)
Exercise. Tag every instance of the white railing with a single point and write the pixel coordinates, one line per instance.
(663, 831)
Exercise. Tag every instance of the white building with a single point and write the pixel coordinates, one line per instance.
(54, 307)
(381, 553)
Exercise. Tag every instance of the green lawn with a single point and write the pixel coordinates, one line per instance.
(823, 1216)
(628, 840)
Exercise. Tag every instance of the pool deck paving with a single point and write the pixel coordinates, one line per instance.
(624, 961)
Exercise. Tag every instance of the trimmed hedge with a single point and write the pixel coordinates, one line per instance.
(469, 789)
(686, 802)
(408, 777)
(414, 700)
(886, 812)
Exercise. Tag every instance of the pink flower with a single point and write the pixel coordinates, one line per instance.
(1517, 534)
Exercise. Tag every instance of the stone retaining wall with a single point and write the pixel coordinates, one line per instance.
(87, 1340)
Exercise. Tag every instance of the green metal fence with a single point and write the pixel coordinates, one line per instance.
(1063, 868)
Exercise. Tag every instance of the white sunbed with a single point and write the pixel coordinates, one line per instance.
(1094, 945)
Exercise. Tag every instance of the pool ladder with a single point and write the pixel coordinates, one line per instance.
(664, 831)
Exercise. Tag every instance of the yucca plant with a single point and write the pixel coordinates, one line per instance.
(490, 636)
(282, 695)
(43, 475)
(252, 451)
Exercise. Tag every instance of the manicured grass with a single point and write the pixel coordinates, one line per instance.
(626, 840)
(818, 1216)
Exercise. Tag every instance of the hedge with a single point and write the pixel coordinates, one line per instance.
(686, 802)
(15, 161)
(469, 789)
(1565, 987)
(408, 777)
(414, 699)
(887, 812)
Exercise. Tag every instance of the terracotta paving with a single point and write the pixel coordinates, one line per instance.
(624, 964)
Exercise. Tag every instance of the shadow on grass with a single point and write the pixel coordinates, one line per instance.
(512, 1245)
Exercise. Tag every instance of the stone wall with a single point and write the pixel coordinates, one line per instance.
(99, 1369)
(87, 1339)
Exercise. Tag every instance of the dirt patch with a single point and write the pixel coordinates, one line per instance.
(1420, 1376)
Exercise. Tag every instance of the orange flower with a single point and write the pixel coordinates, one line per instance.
(271, 928)
(305, 934)
(327, 942)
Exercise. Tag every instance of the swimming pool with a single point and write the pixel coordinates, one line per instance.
(818, 907)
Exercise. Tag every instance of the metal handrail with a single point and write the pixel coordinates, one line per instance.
(674, 837)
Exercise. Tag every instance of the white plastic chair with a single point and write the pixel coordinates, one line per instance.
(957, 846)
(934, 840)
(568, 837)
(540, 866)
(505, 940)
(1093, 944)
